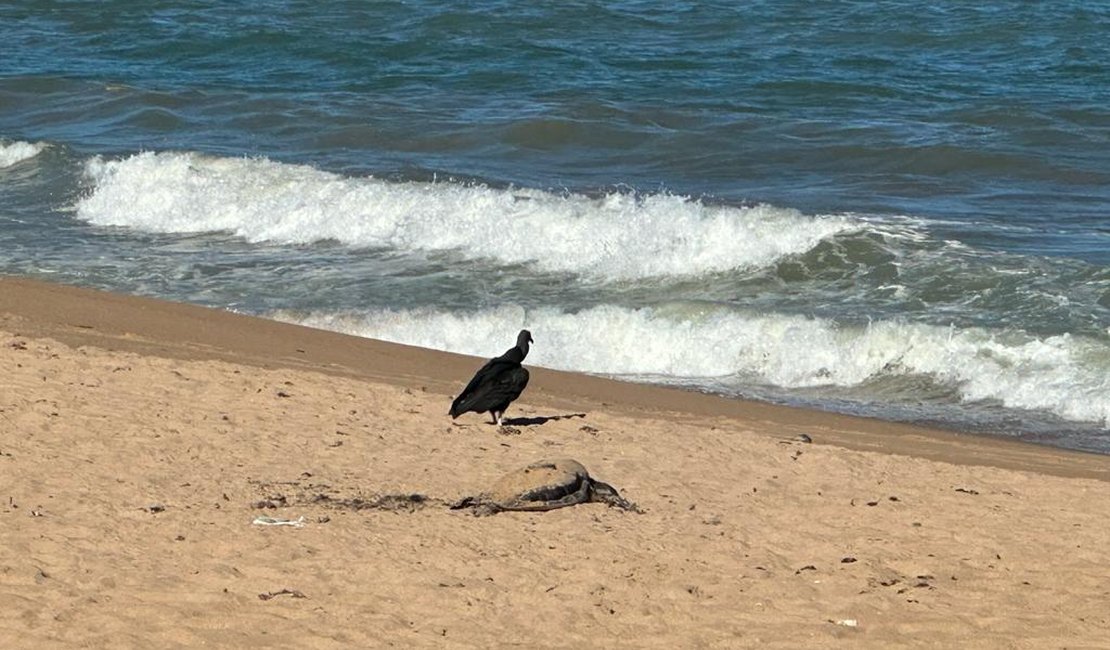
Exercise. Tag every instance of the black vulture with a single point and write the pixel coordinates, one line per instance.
(497, 383)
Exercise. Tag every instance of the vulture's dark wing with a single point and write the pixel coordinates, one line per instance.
(495, 384)
(508, 387)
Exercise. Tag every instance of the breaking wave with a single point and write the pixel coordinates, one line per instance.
(12, 153)
(616, 236)
(1068, 376)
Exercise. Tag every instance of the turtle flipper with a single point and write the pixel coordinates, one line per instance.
(604, 493)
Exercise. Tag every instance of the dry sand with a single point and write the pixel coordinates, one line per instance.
(140, 440)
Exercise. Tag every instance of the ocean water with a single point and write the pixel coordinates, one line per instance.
(898, 209)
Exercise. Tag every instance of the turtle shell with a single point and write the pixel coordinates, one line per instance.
(543, 485)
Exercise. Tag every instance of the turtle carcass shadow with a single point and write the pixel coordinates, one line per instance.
(539, 419)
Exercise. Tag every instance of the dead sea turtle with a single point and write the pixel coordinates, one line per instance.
(544, 485)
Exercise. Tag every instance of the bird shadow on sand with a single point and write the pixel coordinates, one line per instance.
(539, 419)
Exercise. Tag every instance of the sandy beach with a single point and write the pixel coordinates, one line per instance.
(141, 440)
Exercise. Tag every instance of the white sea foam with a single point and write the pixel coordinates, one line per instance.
(618, 236)
(1065, 375)
(18, 151)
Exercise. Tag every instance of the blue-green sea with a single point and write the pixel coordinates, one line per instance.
(899, 209)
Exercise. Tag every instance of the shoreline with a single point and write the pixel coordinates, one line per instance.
(81, 316)
(174, 476)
